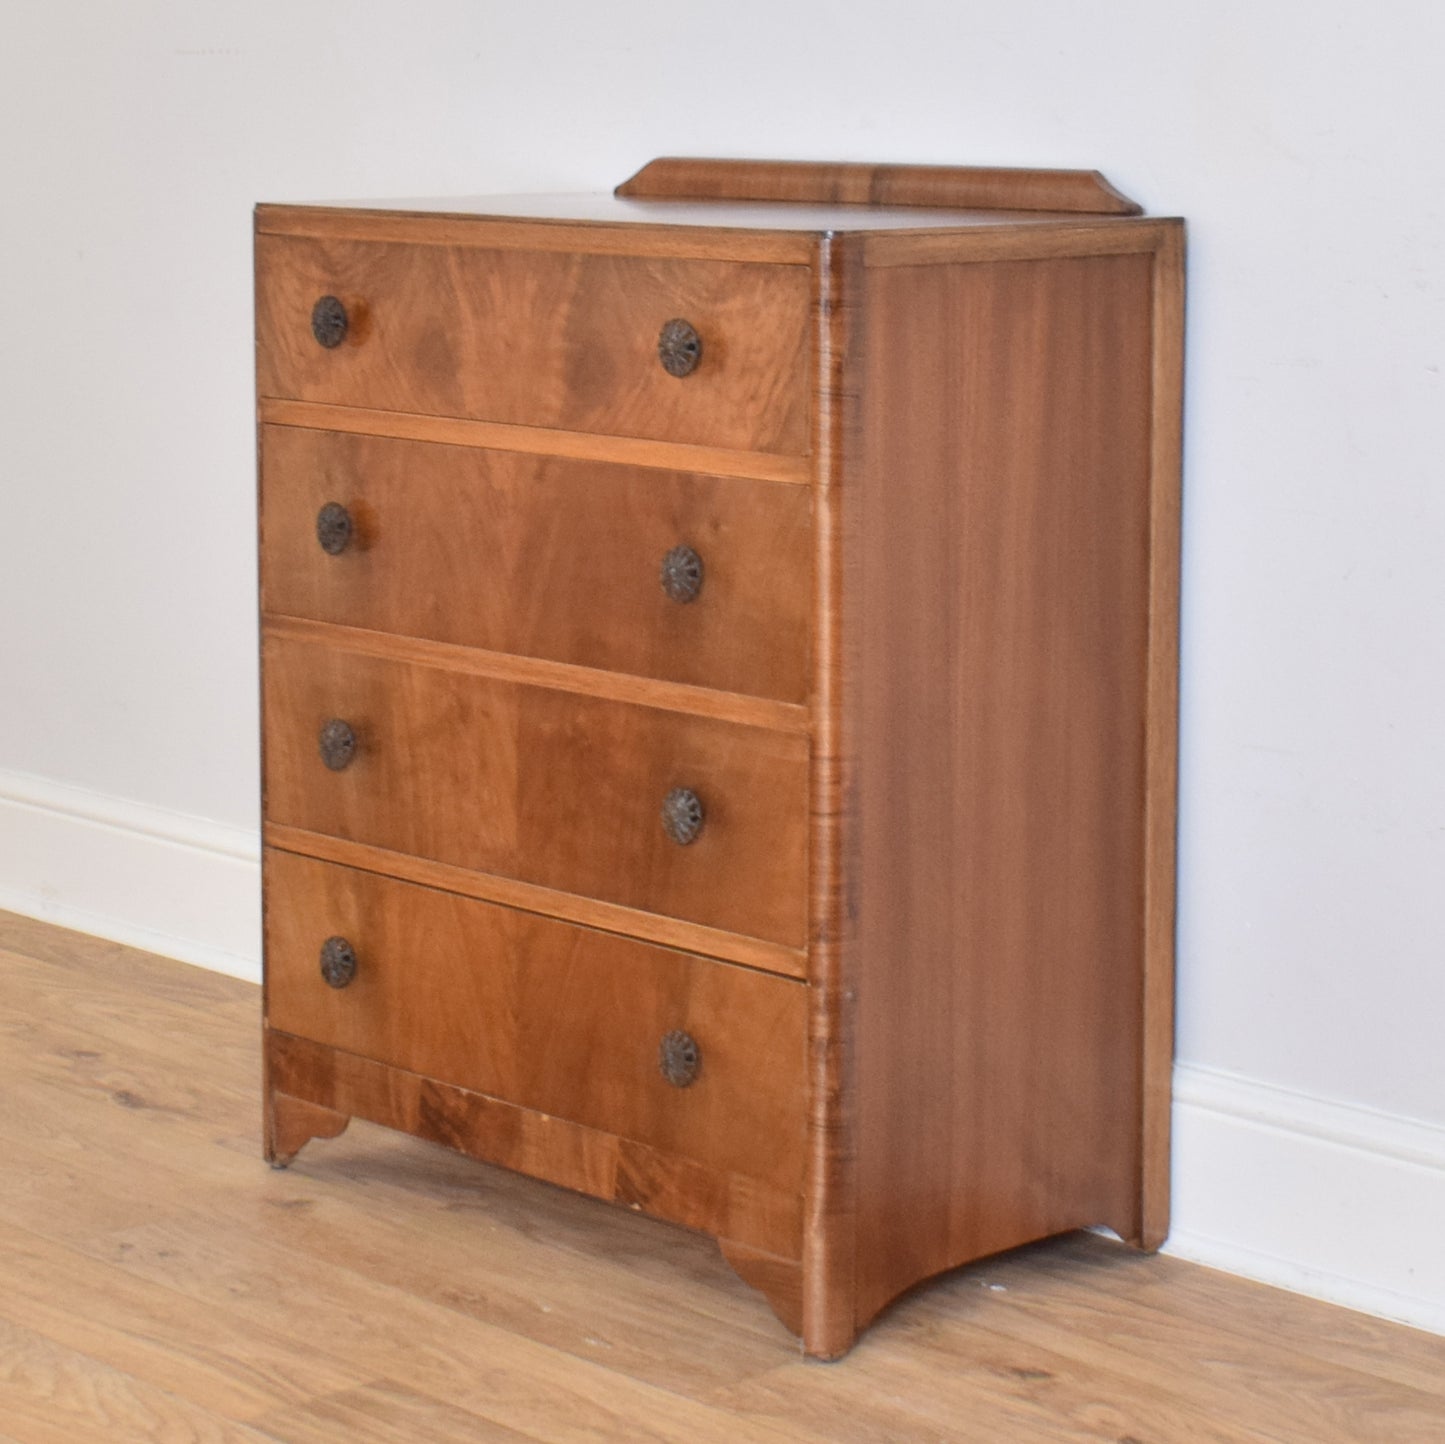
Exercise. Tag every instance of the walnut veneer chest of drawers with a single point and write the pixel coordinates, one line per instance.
(719, 654)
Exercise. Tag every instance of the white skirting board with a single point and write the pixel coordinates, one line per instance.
(1342, 1203)
(164, 881)
(1312, 1195)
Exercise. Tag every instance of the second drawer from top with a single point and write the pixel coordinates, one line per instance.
(687, 578)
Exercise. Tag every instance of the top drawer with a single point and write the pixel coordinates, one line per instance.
(539, 338)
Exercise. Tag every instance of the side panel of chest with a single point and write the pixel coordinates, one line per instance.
(1010, 708)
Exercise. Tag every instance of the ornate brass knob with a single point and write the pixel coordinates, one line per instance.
(338, 962)
(329, 322)
(679, 1058)
(682, 815)
(682, 574)
(679, 348)
(337, 743)
(333, 528)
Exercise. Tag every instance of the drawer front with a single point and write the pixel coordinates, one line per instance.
(540, 339)
(543, 785)
(564, 1020)
(541, 556)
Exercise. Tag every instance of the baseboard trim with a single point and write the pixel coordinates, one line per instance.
(1323, 1198)
(168, 882)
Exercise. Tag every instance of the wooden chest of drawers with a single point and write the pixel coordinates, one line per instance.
(719, 652)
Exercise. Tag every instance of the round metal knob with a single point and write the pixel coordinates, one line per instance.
(679, 348)
(679, 1058)
(338, 962)
(682, 815)
(337, 743)
(329, 322)
(333, 528)
(682, 574)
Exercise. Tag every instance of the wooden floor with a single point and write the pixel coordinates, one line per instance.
(158, 1282)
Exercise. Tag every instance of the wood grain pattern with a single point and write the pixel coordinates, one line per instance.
(845, 183)
(133, 1332)
(779, 1280)
(830, 1200)
(562, 1020)
(537, 441)
(533, 224)
(540, 672)
(1038, 242)
(603, 224)
(1161, 734)
(57, 1395)
(387, 1412)
(542, 557)
(598, 1162)
(1001, 566)
(540, 339)
(544, 786)
(290, 1124)
(608, 917)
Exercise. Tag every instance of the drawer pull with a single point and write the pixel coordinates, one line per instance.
(337, 743)
(338, 962)
(329, 322)
(333, 528)
(682, 574)
(682, 815)
(679, 348)
(679, 1058)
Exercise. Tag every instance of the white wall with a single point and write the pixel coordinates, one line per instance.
(1302, 141)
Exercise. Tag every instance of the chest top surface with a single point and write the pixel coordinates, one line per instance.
(797, 198)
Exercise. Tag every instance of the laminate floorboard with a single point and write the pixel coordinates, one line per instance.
(159, 1283)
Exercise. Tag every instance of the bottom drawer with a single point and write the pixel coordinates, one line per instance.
(563, 1020)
